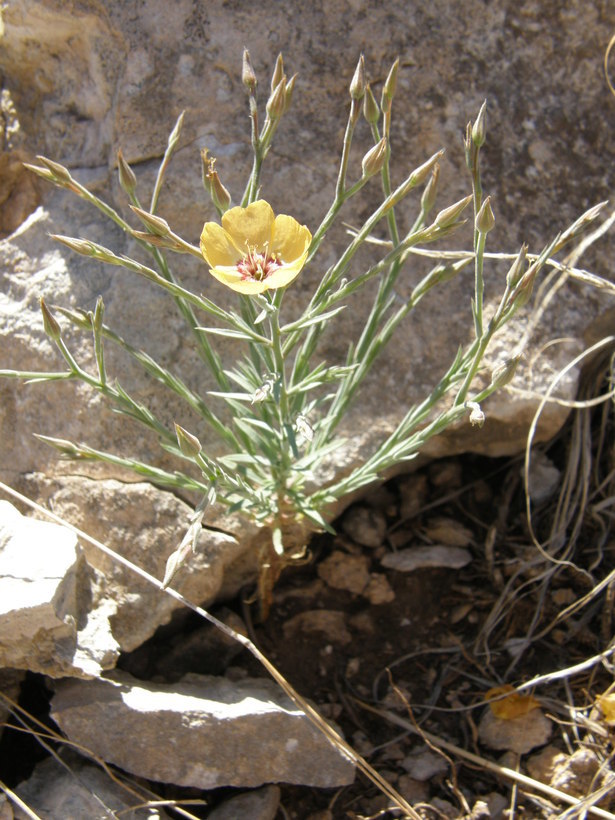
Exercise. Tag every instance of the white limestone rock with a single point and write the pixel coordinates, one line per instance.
(44, 626)
(204, 731)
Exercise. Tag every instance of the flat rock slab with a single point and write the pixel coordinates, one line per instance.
(43, 579)
(81, 790)
(204, 731)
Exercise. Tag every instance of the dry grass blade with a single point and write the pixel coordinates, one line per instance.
(302, 704)
(579, 484)
(19, 802)
(488, 765)
(45, 736)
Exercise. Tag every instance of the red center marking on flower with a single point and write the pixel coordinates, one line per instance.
(258, 266)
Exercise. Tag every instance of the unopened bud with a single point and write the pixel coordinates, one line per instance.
(371, 112)
(375, 158)
(278, 72)
(479, 129)
(276, 104)
(188, 444)
(523, 291)
(52, 328)
(288, 96)
(477, 417)
(357, 85)
(60, 173)
(81, 246)
(451, 214)
(390, 85)
(579, 225)
(421, 173)
(128, 180)
(428, 198)
(248, 77)
(304, 427)
(504, 373)
(99, 312)
(485, 220)
(219, 195)
(156, 224)
(177, 129)
(516, 269)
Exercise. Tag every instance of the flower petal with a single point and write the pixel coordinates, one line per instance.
(217, 246)
(290, 239)
(284, 276)
(234, 280)
(251, 226)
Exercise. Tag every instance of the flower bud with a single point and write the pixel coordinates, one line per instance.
(175, 133)
(428, 198)
(516, 269)
(248, 77)
(128, 180)
(485, 220)
(156, 224)
(188, 444)
(479, 129)
(371, 112)
(60, 173)
(375, 158)
(504, 373)
(219, 195)
(290, 85)
(278, 72)
(579, 225)
(52, 328)
(43, 173)
(449, 215)
(276, 104)
(390, 85)
(357, 85)
(81, 246)
(421, 173)
(97, 318)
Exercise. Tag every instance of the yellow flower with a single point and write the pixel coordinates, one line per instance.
(253, 250)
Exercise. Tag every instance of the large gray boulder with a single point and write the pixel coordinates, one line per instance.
(82, 81)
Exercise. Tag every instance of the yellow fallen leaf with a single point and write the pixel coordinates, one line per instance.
(607, 707)
(513, 705)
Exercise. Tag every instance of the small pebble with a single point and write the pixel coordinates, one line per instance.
(365, 525)
(425, 764)
(448, 531)
(379, 591)
(413, 558)
(520, 735)
(342, 571)
(331, 623)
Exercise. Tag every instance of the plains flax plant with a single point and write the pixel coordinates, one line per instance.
(274, 414)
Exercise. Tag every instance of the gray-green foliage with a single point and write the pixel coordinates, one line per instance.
(286, 406)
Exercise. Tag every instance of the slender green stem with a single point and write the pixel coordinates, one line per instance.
(171, 145)
(341, 194)
(253, 181)
(479, 283)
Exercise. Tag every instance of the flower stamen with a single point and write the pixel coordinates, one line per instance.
(257, 265)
